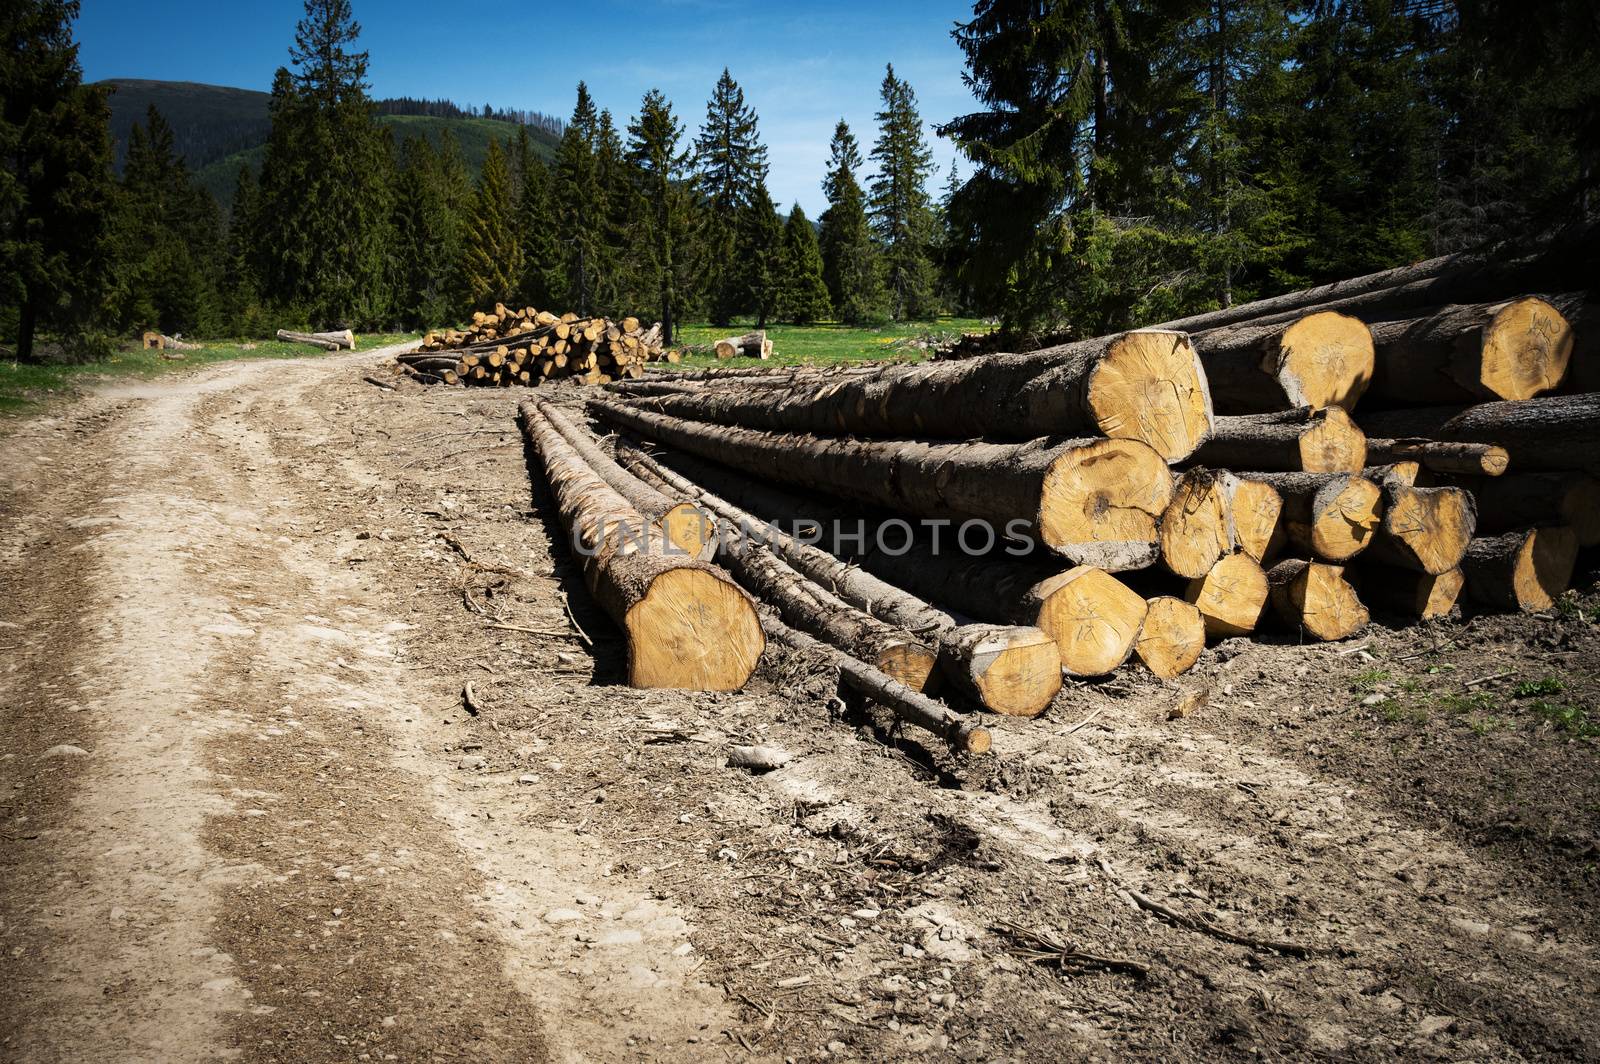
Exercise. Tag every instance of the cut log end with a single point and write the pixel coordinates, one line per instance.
(1324, 359)
(1525, 350)
(1101, 503)
(1196, 528)
(1231, 597)
(688, 528)
(1172, 638)
(1315, 598)
(1093, 617)
(1150, 387)
(1343, 528)
(1524, 570)
(1426, 529)
(1015, 670)
(695, 630)
(1333, 444)
(1256, 509)
(909, 662)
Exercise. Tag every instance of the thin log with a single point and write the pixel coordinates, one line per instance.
(1465, 459)
(1313, 441)
(1547, 432)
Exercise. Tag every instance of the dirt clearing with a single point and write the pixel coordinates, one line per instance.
(245, 813)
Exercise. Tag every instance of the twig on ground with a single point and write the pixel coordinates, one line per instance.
(1085, 722)
(387, 386)
(1486, 679)
(469, 698)
(1201, 924)
(566, 604)
(1041, 947)
(552, 633)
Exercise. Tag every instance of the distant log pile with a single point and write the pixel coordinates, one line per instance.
(1402, 444)
(528, 347)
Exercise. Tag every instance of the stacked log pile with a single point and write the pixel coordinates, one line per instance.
(527, 347)
(1406, 446)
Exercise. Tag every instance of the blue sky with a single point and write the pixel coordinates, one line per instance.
(802, 65)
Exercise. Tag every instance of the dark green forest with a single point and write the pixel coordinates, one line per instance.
(1126, 162)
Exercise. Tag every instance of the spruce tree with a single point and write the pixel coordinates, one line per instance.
(805, 296)
(849, 260)
(239, 295)
(537, 230)
(579, 207)
(662, 170)
(491, 260)
(325, 182)
(760, 251)
(898, 204)
(427, 239)
(617, 269)
(731, 168)
(55, 173)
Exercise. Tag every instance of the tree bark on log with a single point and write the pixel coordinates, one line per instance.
(687, 624)
(1525, 570)
(1332, 516)
(1092, 501)
(1465, 354)
(1548, 432)
(1408, 593)
(1426, 529)
(1145, 386)
(1464, 459)
(1321, 359)
(750, 345)
(1014, 670)
(1316, 599)
(1512, 502)
(962, 734)
(1172, 637)
(308, 338)
(683, 525)
(1287, 441)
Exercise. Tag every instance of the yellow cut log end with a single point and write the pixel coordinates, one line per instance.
(693, 630)
(1324, 359)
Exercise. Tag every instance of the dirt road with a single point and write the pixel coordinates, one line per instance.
(244, 813)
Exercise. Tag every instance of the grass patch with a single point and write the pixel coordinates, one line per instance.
(1400, 713)
(1471, 702)
(1547, 685)
(825, 343)
(1368, 680)
(1574, 720)
(24, 387)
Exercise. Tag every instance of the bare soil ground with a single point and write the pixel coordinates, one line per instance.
(246, 604)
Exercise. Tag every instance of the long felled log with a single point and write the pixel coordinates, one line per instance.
(1426, 529)
(1093, 501)
(1172, 637)
(1010, 669)
(1463, 354)
(1523, 570)
(910, 706)
(1092, 616)
(1333, 516)
(1315, 598)
(1145, 386)
(1289, 441)
(1522, 499)
(684, 525)
(1322, 359)
(1547, 432)
(750, 345)
(687, 624)
(1408, 593)
(1231, 597)
(1466, 459)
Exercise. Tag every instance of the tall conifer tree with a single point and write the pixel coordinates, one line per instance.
(898, 204)
(805, 296)
(662, 170)
(732, 169)
(849, 260)
(491, 261)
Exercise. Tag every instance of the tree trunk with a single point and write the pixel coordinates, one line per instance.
(1092, 501)
(1465, 459)
(1289, 441)
(750, 345)
(309, 339)
(1231, 597)
(1523, 499)
(1549, 432)
(1145, 386)
(1172, 637)
(1314, 598)
(683, 525)
(1464, 354)
(1332, 516)
(687, 624)
(1408, 593)
(1525, 570)
(910, 706)
(1012, 670)
(1321, 359)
